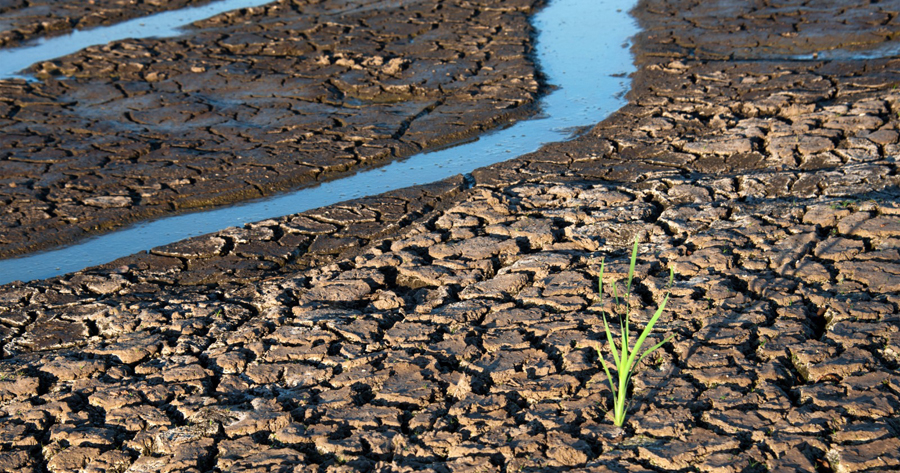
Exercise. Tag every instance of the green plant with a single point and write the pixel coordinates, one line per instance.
(842, 204)
(625, 357)
(754, 464)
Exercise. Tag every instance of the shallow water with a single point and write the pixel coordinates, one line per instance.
(582, 48)
(14, 60)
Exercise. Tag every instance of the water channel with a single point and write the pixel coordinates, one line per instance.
(583, 50)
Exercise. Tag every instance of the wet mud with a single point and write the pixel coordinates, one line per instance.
(249, 103)
(456, 326)
(24, 20)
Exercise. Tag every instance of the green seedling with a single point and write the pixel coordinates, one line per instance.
(626, 357)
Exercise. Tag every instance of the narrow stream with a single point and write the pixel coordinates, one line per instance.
(14, 60)
(582, 48)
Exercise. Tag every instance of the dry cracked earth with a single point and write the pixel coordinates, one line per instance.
(456, 326)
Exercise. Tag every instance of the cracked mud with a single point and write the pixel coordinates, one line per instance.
(451, 328)
(141, 128)
(23, 20)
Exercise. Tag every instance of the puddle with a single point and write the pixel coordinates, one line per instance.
(14, 60)
(582, 48)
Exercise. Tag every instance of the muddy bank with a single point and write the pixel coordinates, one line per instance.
(22, 20)
(249, 103)
(465, 339)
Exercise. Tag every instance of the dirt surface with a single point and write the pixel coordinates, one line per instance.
(764, 29)
(251, 102)
(453, 328)
(22, 20)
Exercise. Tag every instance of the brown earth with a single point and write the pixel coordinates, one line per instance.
(22, 20)
(249, 103)
(465, 337)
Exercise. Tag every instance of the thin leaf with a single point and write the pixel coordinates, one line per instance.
(626, 336)
(600, 282)
(623, 323)
(612, 386)
(612, 344)
(634, 252)
(646, 332)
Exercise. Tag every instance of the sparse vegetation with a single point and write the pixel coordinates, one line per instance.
(625, 357)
